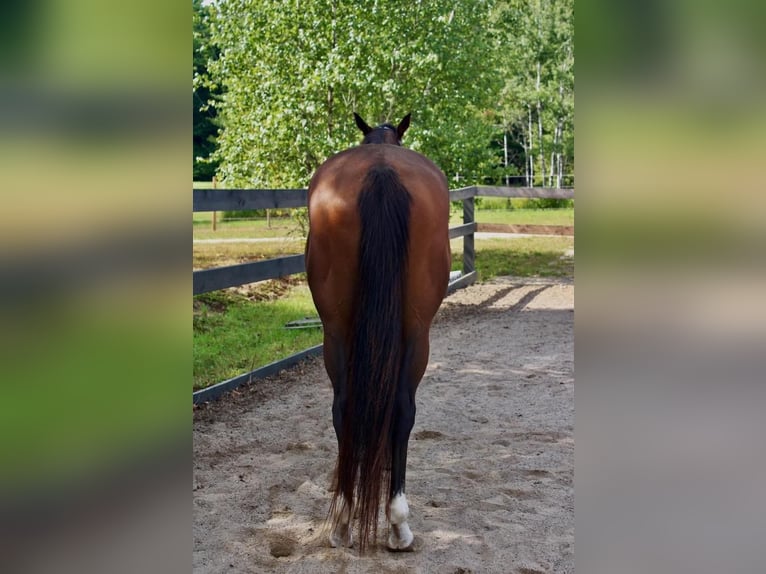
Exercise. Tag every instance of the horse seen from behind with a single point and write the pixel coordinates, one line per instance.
(378, 261)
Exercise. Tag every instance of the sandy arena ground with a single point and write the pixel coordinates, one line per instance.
(491, 459)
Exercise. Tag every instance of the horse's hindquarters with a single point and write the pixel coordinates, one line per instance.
(377, 262)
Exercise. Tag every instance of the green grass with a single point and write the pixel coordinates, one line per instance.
(564, 216)
(280, 227)
(521, 257)
(235, 333)
(202, 217)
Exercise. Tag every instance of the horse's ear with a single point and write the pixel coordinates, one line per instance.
(403, 125)
(361, 124)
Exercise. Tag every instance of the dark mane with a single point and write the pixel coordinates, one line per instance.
(385, 133)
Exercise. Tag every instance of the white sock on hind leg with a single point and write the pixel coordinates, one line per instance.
(401, 536)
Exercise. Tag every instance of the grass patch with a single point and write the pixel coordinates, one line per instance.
(519, 256)
(236, 331)
(564, 216)
(279, 227)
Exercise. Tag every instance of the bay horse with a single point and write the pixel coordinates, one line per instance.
(378, 261)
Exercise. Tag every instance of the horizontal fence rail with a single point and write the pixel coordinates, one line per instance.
(214, 391)
(463, 230)
(528, 192)
(207, 280)
(217, 278)
(246, 199)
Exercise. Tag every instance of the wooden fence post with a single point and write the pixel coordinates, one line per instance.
(469, 254)
(215, 184)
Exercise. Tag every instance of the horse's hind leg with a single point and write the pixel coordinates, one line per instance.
(416, 357)
(400, 537)
(341, 534)
(335, 362)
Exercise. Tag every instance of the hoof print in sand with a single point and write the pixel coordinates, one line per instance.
(281, 546)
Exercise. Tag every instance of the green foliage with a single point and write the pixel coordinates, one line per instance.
(493, 203)
(490, 85)
(549, 203)
(507, 203)
(256, 213)
(536, 104)
(205, 128)
(295, 71)
(301, 219)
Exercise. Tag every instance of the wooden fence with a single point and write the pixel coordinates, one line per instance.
(208, 280)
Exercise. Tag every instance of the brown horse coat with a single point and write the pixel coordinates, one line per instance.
(378, 261)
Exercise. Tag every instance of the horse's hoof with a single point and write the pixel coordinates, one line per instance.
(401, 539)
(394, 546)
(346, 541)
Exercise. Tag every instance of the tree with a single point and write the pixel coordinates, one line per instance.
(205, 128)
(295, 71)
(537, 101)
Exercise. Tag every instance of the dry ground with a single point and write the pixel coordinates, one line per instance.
(491, 459)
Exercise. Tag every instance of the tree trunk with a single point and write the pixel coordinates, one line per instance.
(540, 128)
(531, 153)
(526, 155)
(554, 156)
(551, 162)
(505, 155)
(561, 170)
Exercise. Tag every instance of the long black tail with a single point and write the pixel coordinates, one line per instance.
(376, 351)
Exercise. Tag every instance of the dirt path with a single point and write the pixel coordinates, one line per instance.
(491, 460)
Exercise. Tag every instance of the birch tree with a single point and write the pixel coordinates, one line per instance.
(536, 40)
